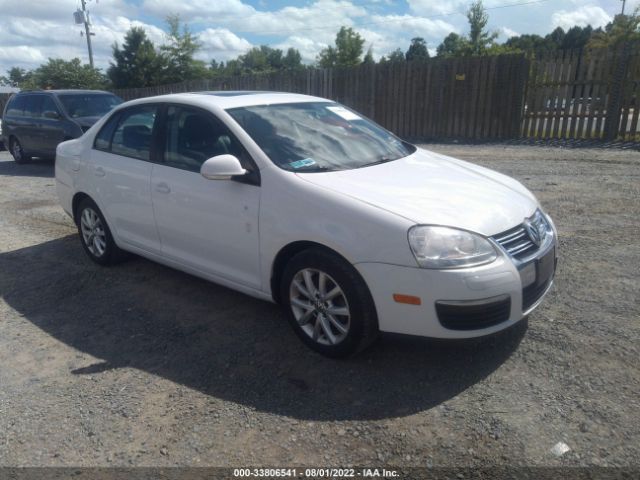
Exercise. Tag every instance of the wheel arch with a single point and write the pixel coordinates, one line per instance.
(75, 202)
(286, 253)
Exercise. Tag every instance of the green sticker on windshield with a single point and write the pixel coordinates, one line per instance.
(305, 162)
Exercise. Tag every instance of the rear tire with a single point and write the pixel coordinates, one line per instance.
(328, 304)
(18, 152)
(95, 234)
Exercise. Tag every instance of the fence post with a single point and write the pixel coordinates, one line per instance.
(614, 108)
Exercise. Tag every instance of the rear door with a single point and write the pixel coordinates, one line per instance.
(120, 171)
(207, 225)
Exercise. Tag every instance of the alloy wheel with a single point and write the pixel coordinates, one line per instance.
(319, 306)
(93, 233)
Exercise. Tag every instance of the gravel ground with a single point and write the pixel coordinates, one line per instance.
(142, 365)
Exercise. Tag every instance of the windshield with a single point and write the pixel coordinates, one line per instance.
(318, 136)
(88, 105)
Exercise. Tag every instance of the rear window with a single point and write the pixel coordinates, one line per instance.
(79, 105)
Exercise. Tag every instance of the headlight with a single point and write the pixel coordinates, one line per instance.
(444, 247)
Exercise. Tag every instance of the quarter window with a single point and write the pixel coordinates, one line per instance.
(16, 106)
(132, 137)
(103, 139)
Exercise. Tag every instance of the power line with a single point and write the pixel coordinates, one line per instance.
(381, 22)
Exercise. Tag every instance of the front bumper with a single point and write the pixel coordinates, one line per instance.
(461, 303)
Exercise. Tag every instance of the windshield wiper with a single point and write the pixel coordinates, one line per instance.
(315, 168)
(383, 159)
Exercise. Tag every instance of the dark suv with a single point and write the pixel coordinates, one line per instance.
(35, 122)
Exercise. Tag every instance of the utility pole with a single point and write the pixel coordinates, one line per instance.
(623, 5)
(87, 31)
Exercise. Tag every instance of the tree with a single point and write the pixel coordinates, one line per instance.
(136, 64)
(417, 50)
(16, 77)
(479, 38)
(368, 58)
(397, 56)
(623, 29)
(292, 60)
(60, 73)
(453, 45)
(179, 53)
(347, 51)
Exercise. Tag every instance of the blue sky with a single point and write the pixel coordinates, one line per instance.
(35, 30)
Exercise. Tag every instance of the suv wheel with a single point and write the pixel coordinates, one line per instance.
(18, 152)
(328, 304)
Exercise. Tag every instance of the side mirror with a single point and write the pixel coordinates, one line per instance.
(222, 167)
(51, 114)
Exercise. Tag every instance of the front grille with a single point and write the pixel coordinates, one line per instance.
(516, 242)
(473, 317)
(532, 294)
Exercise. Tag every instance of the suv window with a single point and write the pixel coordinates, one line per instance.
(16, 105)
(132, 137)
(33, 106)
(193, 136)
(48, 105)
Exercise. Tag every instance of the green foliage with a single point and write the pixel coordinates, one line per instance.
(454, 45)
(574, 38)
(136, 64)
(262, 59)
(397, 56)
(59, 73)
(347, 51)
(179, 51)
(479, 38)
(624, 28)
(368, 58)
(16, 77)
(417, 50)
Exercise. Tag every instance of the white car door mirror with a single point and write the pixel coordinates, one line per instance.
(222, 167)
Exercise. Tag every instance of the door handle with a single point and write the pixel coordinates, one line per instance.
(100, 172)
(162, 188)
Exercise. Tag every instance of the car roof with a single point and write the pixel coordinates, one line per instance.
(64, 92)
(231, 99)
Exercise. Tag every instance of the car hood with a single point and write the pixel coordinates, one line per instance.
(428, 188)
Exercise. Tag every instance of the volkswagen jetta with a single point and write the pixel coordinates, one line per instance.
(304, 202)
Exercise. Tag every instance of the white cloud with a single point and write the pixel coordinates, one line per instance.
(221, 44)
(583, 16)
(508, 33)
(441, 7)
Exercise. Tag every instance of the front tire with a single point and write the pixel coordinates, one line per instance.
(18, 152)
(328, 304)
(95, 234)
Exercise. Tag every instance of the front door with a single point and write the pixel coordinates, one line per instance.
(208, 225)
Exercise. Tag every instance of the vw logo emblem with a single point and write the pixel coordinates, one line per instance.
(532, 231)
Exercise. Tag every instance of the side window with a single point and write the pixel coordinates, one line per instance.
(103, 139)
(33, 106)
(16, 106)
(193, 136)
(48, 105)
(132, 137)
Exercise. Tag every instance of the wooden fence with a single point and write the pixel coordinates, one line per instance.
(563, 95)
(466, 98)
(584, 95)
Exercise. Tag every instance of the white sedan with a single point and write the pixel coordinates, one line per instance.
(302, 201)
